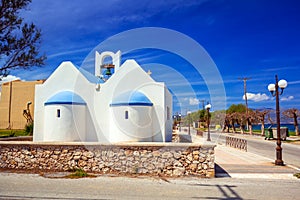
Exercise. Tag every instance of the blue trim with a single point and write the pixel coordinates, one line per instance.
(130, 104)
(63, 103)
(131, 98)
(65, 97)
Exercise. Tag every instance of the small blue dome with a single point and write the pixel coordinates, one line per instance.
(131, 98)
(65, 97)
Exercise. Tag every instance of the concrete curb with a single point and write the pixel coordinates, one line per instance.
(258, 176)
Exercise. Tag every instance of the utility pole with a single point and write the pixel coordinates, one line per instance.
(202, 101)
(9, 104)
(244, 79)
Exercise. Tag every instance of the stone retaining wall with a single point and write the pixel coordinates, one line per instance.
(135, 158)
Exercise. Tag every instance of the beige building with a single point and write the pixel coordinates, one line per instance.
(17, 103)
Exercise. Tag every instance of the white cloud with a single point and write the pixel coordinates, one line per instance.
(194, 101)
(69, 52)
(256, 97)
(8, 79)
(294, 82)
(287, 98)
(185, 99)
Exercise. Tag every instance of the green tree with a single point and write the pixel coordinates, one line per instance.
(236, 114)
(236, 108)
(19, 41)
(201, 115)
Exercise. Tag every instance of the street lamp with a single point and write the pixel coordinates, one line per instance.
(179, 121)
(207, 107)
(273, 88)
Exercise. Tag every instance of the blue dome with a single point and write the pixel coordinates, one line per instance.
(131, 98)
(65, 97)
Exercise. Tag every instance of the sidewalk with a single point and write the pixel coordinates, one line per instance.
(245, 164)
(235, 163)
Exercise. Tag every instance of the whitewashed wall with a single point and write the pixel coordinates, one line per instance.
(65, 77)
(69, 126)
(100, 123)
(136, 128)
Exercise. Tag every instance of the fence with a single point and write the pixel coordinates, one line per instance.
(237, 143)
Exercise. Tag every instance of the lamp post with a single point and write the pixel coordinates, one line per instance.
(273, 88)
(179, 121)
(207, 107)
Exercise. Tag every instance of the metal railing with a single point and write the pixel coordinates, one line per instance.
(237, 143)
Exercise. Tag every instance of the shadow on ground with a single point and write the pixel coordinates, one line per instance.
(220, 172)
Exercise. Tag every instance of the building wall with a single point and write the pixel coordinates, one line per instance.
(131, 123)
(65, 123)
(14, 98)
(131, 76)
(168, 115)
(65, 78)
(155, 91)
(100, 126)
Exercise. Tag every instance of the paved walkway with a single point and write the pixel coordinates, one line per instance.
(235, 163)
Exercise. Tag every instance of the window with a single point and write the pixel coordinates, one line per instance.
(58, 113)
(126, 114)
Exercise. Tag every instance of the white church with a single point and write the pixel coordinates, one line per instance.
(120, 103)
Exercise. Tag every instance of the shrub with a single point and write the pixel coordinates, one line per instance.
(79, 173)
(297, 175)
(29, 129)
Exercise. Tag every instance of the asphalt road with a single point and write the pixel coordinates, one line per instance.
(32, 186)
(266, 148)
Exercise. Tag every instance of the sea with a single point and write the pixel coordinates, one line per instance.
(291, 127)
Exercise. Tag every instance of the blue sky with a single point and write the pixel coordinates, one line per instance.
(244, 38)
